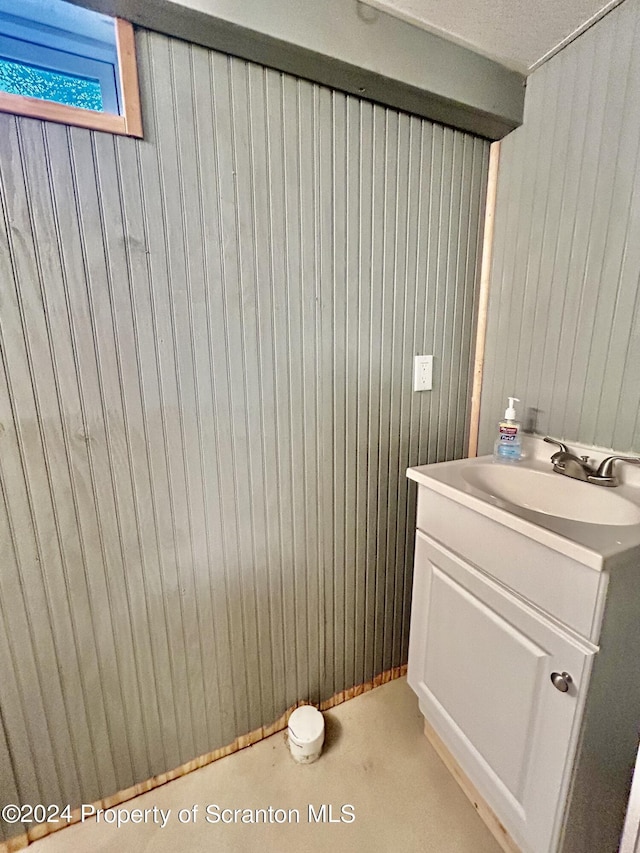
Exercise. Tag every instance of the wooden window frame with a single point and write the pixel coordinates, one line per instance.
(127, 124)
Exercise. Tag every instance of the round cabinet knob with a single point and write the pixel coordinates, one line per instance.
(561, 681)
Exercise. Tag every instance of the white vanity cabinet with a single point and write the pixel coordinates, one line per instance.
(494, 642)
(481, 662)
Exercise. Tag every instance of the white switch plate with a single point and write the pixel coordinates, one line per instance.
(423, 373)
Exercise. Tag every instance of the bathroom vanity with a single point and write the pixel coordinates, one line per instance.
(525, 644)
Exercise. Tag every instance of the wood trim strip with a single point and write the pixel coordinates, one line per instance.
(63, 113)
(128, 124)
(128, 69)
(19, 842)
(483, 301)
(487, 814)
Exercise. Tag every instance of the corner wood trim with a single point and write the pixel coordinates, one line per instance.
(479, 803)
(483, 301)
(127, 124)
(19, 842)
(128, 68)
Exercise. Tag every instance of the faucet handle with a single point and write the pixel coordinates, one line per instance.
(560, 456)
(563, 447)
(605, 476)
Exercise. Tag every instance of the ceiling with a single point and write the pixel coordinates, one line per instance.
(518, 33)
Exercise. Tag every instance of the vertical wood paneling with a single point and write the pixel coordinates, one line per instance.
(564, 314)
(7, 783)
(206, 409)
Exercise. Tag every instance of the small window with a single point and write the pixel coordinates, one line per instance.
(68, 64)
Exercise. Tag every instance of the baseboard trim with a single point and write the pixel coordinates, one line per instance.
(486, 813)
(19, 842)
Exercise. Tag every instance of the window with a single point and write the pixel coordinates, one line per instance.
(68, 64)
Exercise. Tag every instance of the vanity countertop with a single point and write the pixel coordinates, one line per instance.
(589, 543)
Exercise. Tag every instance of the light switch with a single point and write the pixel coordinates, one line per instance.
(423, 373)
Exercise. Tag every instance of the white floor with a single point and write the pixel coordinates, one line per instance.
(377, 761)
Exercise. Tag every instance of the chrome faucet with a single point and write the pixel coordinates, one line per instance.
(578, 467)
(567, 463)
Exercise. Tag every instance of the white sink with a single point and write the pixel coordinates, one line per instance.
(586, 522)
(552, 494)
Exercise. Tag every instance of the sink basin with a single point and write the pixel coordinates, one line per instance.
(553, 494)
(587, 523)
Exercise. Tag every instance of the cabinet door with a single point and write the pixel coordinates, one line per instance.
(481, 661)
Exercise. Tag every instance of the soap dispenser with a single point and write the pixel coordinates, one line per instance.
(508, 446)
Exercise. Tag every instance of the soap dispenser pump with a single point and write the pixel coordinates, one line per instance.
(508, 446)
